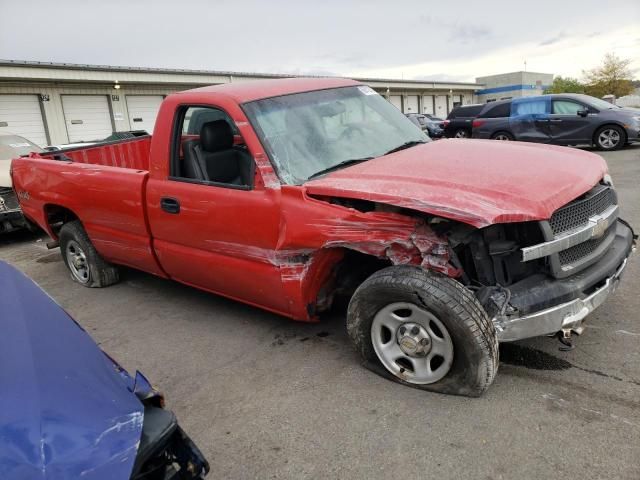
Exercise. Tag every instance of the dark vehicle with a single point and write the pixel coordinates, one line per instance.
(68, 410)
(459, 122)
(564, 119)
(11, 146)
(427, 123)
(493, 122)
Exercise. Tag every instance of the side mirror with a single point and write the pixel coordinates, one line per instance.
(582, 113)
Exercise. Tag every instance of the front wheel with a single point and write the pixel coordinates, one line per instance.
(424, 330)
(609, 137)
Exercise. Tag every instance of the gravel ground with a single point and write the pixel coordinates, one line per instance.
(265, 397)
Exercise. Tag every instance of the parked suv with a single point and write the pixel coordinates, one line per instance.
(493, 122)
(458, 123)
(563, 119)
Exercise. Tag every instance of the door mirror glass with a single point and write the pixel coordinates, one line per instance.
(583, 113)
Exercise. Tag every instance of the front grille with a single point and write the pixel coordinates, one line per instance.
(578, 252)
(8, 200)
(577, 213)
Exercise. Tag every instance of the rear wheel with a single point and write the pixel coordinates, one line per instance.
(609, 137)
(461, 133)
(86, 265)
(504, 136)
(424, 330)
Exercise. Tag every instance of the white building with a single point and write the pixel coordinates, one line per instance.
(510, 85)
(53, 103)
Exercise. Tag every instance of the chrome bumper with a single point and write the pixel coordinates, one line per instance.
(567, 316)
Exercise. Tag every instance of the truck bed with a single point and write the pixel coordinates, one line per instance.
(104, 185)
(130, 153)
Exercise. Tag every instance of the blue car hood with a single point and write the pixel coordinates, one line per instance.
(66, 409)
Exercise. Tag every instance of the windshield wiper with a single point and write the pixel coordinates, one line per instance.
(405, 145)
(339, 165)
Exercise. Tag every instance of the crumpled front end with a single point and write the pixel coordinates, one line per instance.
(579, 257)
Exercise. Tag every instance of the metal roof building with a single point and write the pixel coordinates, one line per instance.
(59, 103)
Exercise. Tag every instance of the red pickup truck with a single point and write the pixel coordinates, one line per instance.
(287, 193)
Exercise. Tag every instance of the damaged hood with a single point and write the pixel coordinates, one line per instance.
(479, 182)
(66, 410)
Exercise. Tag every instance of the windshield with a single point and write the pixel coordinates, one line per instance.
(307, 133)
(12, 146)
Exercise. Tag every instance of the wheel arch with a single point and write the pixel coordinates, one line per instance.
(56, 216)
(609, 123)
(502, 130)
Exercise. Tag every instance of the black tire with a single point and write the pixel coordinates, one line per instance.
(99, 272)
(502, 135)
(602, 144)
(461, 133)
(475, 343)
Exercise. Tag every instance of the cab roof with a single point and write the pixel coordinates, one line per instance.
(247, 91)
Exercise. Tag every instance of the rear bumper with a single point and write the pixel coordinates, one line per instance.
(545, 306)
(480, 135)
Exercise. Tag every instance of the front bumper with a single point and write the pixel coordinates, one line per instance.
(165, 451)
(633, 135)
(10, 213)
(545, 306)
(11, 220)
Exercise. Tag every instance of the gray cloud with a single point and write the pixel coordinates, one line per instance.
(555, 39)
(285, 36)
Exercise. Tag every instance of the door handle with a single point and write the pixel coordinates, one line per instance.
(556, 120)
(170, 205)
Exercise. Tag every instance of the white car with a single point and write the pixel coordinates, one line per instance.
(11, 146)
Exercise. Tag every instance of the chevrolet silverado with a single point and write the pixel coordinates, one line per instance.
(284, 194)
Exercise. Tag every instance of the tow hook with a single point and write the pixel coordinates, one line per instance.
(564, 336)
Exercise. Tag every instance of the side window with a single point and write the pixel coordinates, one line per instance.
(529, 107)
(567, 107)
(206, 150)
(499, 111)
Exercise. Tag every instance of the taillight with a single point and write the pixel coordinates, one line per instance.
(446, 122)
(477, 123)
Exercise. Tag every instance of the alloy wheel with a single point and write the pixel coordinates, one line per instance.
(609, 138)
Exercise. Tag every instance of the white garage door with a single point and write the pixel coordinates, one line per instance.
(441, 106)
(21, 114)
(396, 101)
(411, 104)
(427, 104)
(143, 110)
(87, 117)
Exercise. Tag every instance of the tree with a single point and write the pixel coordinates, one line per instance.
(612, 77)
(565, 85)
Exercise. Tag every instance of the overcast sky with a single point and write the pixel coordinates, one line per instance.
(453, 40)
